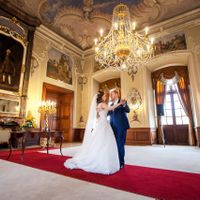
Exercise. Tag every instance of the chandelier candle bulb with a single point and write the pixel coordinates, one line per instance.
(124, 66)
(96, 49)
(101, 32)
(95, 41)
(146, 30)
(148, 47)
(152, 40)
(116, 25)
(134, 25)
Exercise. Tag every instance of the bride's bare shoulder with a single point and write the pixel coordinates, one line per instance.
(101, 105)
(104, 105)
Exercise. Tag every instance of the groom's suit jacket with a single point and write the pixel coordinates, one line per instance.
(118, 117)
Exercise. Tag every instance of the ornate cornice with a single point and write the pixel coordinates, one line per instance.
(175, 24)
(45, 33)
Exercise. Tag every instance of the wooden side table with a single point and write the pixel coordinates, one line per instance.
(56, 135)
(16, 135)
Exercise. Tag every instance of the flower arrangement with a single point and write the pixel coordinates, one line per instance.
(29, 121)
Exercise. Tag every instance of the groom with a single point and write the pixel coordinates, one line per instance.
(119, 123)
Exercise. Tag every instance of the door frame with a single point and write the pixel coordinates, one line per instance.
(60, 90)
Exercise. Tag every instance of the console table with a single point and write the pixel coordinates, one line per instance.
(16, 135)
(57, 135)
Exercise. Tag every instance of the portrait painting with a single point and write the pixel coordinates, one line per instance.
(172, 42)
(59, 66)
(11, 55)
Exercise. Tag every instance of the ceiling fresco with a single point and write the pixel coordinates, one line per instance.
(80, 20)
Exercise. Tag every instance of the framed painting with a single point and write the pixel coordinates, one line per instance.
(11, 57)
(59, 66)
(172, 42)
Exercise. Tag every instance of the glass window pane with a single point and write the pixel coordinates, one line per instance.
(164, 122)
(178, 113)
(179, 120)
(176, 98)
(183, 112)
(168, 113)
(168, 88)
(168, 105)
(177, 105)
(168, 98)
(185, 120)
(169, 120)
(173, 87)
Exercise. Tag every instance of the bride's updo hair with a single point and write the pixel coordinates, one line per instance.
(99, 97)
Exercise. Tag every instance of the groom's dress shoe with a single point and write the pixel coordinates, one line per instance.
(121, 166)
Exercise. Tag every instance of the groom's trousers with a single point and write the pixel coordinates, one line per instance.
(120, 135)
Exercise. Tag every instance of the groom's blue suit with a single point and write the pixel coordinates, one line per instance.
(119, 123)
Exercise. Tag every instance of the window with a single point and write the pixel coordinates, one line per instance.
(173, 110)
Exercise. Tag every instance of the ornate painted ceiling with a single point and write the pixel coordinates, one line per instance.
(80, 20)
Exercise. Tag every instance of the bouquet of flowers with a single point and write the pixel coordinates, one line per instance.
(29, 121)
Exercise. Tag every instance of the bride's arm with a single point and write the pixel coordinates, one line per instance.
(110, 108)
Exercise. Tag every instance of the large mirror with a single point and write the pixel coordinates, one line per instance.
(9, 106)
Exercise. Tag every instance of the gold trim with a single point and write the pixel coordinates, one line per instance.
(14, 20)
(14, 34)
(23, 68)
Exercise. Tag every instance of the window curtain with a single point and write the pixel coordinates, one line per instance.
(184, 95)
(160, 92)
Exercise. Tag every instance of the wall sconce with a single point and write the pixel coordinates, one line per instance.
(47, 108)
(135, 101)
(82, 80)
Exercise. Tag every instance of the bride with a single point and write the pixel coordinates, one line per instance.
(98, 153)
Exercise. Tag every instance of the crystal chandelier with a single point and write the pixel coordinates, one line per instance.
(123, 48)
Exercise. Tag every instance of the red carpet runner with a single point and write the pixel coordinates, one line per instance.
(161, 184)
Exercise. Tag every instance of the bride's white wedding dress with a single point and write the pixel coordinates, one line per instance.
(98, 153)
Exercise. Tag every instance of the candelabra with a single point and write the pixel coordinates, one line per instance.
(47, 108)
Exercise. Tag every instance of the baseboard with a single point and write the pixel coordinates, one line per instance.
(141, 136)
